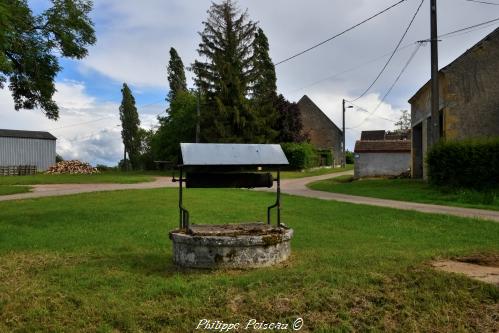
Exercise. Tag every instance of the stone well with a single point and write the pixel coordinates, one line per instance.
(231, 245)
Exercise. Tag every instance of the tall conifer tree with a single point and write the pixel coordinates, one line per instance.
(130, 126)
(176, 75)
(225, 76)
(264, 89)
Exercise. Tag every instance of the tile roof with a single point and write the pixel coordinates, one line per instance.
(386, 146)
(8, 133)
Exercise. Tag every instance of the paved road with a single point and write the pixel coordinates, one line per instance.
(289, 186)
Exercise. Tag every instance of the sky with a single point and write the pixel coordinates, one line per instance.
(134, 37)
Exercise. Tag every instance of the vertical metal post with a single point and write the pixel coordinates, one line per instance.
(181, 211)
(435, 101)
(278, 197)
(343, 154)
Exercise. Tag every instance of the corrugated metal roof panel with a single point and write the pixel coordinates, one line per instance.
(8, 133)
(198, 154)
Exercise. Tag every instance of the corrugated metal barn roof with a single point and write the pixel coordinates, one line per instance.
(8, 133)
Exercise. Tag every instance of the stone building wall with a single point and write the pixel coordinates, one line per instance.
(323, 133)
(469, 100)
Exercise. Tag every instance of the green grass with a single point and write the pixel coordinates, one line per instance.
(314, 172)
(102, 262)
(409, 190)
(103, 177)
(7, 189)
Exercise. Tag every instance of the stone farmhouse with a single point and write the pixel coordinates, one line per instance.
(469, 100)
(322, 131)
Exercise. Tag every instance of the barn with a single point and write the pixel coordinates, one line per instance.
(27, 148)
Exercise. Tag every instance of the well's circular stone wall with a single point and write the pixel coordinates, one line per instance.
(231, 246)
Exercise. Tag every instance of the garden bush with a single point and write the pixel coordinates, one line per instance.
(465, 164)
(300, 155)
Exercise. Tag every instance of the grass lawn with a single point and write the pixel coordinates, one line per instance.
(102, 262)
(6, 189)
(409, 190)
(103, 177)
(314, 172)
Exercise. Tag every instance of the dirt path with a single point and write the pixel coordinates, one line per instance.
(49, 190)
(289, 186)
(478, 272)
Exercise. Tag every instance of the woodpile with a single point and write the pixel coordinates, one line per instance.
(72, 167)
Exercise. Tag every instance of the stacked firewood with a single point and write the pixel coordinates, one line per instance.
(72, 167)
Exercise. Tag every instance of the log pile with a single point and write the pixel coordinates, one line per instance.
(74, 167)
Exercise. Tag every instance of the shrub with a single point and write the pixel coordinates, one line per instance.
(323, 155)
(349, 157)
(300, 155)
(467, 164)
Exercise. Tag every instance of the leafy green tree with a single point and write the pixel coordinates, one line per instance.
(289, 124)
(404, 122)
(145, 149)
(30, 44)
(263, 89)
(130, 131)
(225, 76)
(176, 75)
(178, 126)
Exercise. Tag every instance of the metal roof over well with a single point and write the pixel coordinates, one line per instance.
(227, 154)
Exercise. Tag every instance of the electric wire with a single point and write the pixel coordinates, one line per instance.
(339, 34)
(450, 34)
(413, 54)
(102, 118)
(393, 53)
(484, 2)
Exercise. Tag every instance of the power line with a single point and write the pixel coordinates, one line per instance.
(102, 118)
(413, 54)
(446, 35)
(339, 34)
(393, 53)
(360, 108)
(468, 28)
(483, 2)
(351, 69)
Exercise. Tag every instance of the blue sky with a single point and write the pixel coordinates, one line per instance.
(133, 39)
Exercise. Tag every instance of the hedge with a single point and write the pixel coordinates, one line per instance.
(305, 156)
(468, 164)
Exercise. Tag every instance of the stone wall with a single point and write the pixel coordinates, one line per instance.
(323, 133)
(469, 98)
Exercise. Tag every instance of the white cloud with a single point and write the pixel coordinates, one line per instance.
(87, 129)
(134, 38)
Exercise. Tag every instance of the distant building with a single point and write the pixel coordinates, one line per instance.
(27, 148)
(323, 133)
(469, 100)
(382, 154)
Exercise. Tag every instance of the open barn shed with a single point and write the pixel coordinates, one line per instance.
(21, 148)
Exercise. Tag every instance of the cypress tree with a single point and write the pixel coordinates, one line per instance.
(176, 75)
(130, 126)
(225, 76)
(264, 89)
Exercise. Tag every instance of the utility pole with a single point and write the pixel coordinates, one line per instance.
(198, 120)
(343, 154)
(435, 101)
